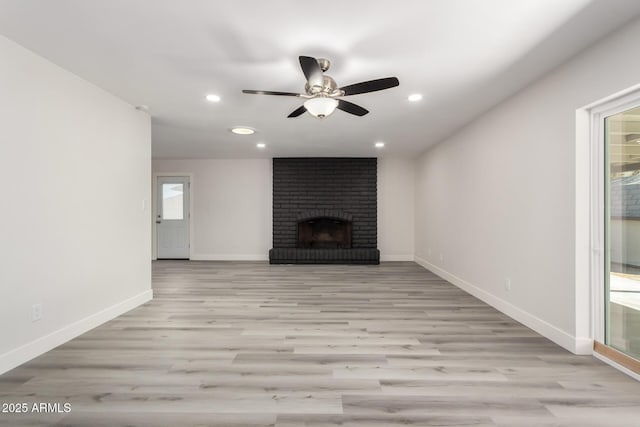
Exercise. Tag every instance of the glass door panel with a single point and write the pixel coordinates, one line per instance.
(622, 231)
(172, 201)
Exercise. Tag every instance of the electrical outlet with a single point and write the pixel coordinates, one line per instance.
(429, 251)
(507, 284)
(441, 257)
(36, 312)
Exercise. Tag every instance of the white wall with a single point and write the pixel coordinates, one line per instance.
(395, 209)
(74, 166)
(229, 195)
(231, 198)
(498, 199)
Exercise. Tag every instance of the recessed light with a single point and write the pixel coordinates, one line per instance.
(213, 98)
(415, 97)
(379, 144)
(261, 145)
(240, 130)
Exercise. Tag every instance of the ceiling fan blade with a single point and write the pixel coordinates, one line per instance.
(370, 86)
(298, 112)
(351, 108)
(269, 92)
(311, 70)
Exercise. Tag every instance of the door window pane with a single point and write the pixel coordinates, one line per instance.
(172, 201)
(623, 231)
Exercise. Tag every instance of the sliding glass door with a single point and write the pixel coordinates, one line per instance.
(622, 231)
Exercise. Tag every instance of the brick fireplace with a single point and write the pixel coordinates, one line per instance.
(324, 211)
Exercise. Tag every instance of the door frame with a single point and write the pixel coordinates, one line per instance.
(598, 218)
(597, 112)
(154, 211)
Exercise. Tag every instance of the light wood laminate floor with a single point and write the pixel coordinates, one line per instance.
(249, 344)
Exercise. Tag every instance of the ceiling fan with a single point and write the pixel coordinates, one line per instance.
(322, 93)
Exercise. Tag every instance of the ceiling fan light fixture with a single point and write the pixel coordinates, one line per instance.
(213, 97)
(321, 106)
(415, 97)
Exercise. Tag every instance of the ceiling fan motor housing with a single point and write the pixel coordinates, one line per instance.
(329, 87)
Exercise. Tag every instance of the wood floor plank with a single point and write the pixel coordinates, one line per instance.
(254, 345)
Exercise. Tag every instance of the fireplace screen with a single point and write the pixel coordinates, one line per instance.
(324, 232)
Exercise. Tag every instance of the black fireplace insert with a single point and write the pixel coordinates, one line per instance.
(324, 233)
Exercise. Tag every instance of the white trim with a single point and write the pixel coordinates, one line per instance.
(396, 257)
(596, 248)
(154, 210)
(582, 346)
(558, 336)
(612, 99)
(582, 262)
(230, 257)
(23, 354)
(618, 366)
(593, 145)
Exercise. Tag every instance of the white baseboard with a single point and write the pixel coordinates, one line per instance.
(558, 336)
(39, 346)
(230, 257)
(583, 346)
(396, 257)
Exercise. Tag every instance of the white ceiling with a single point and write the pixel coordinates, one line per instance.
(463, 56)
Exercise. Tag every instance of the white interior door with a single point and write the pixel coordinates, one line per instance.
(172, 220)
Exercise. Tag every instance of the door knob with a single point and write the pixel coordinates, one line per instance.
(158, 221)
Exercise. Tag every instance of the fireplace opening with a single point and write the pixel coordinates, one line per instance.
(325, 233)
